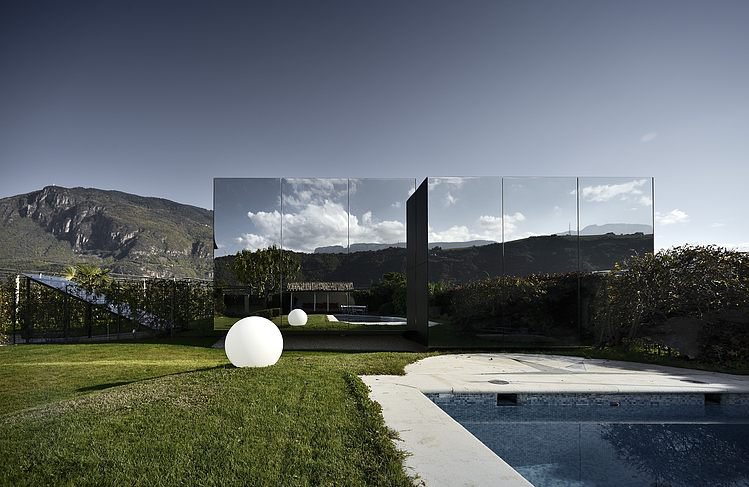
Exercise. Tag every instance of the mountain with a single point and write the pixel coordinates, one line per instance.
(366, 247)
(615, 228)
(543, 254)
(48, 229)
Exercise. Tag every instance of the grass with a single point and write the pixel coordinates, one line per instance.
(315, 323)
(645, 357)
(97, 419)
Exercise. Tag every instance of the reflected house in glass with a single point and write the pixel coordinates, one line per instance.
(487, 261)
(342, 243)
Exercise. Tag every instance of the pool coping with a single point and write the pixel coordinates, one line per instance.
(442, 452)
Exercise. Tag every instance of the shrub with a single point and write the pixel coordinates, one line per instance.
(686, 281)
(268, 313)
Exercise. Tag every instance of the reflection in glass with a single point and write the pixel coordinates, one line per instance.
(540, 225)
(376, 263)
(616, 220)
(315, 231)
(247, 233)
(540, 288)
(465, 260)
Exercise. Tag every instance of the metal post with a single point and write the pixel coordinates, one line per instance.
(27, 310)
(65, 313)
(171, 308)
(16, 301)
(579, 268)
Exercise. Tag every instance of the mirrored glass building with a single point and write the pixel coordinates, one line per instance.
(479, 262)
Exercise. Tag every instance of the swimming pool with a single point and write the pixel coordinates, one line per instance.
(356, 319)
(612, 439)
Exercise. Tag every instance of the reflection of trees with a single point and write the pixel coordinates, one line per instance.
(683, 454)
(263, 269)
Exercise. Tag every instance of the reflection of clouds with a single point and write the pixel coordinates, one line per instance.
(299, 192)
(450, 199)
(320, 225)
(673, 216)
(250, 241)
(487, 227)
(630, 190)
(454, 183)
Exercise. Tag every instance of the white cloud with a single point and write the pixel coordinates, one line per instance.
(250, 241)
(450, 199)
(645, 201)
(672, 217)
(741, 247)
(397, 204)
(648, 137)
(453, 234)
(320, 225)
(623, 191)
(299, 192)
(718, 225)
(449, 182)
(487, 227)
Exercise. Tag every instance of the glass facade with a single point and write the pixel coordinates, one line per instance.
(338, 250)
(499, 262)
(513, 261)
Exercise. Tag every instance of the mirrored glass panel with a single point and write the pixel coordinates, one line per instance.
(315, 240)
(540, 291)
(465, 259)
(247, 232)
(376, 263)
(616, 220)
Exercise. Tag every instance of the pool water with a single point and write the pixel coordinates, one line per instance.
(611, 442)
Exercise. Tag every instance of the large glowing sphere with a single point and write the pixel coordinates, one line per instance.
(253, 342)
(297, 317)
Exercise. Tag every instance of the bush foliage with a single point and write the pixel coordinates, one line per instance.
(707, 283)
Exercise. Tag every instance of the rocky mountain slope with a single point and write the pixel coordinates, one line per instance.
(55, 226)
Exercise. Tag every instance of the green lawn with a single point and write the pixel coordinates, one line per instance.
(315, 323)
(156, 414)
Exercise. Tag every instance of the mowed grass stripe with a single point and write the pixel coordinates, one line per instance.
(305, 421)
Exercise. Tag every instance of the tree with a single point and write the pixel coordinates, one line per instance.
(89, 277)
(92, 279)
(263, 269)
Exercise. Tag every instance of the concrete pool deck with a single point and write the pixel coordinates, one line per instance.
(443, 453)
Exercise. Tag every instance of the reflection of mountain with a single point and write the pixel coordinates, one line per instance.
(364, 247)
(533, 255)
(551, 254)
(616, 228)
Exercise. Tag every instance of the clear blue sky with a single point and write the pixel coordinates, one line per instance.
(159, 97)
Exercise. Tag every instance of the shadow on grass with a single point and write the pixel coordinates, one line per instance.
(109, 385)
(101, 387)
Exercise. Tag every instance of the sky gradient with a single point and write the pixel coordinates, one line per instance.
(159, 97)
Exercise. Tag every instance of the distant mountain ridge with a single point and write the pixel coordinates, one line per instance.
(130, 234)
(368, 247)
(615, 228)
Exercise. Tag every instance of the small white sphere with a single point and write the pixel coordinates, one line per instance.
(253, 342)
(297, 317)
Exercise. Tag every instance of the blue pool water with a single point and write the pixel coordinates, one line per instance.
(611, 440)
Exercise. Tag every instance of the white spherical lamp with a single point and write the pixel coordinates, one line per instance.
(253, 342)
(297, 317)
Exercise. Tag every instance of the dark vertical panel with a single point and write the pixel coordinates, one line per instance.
(417, 224)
